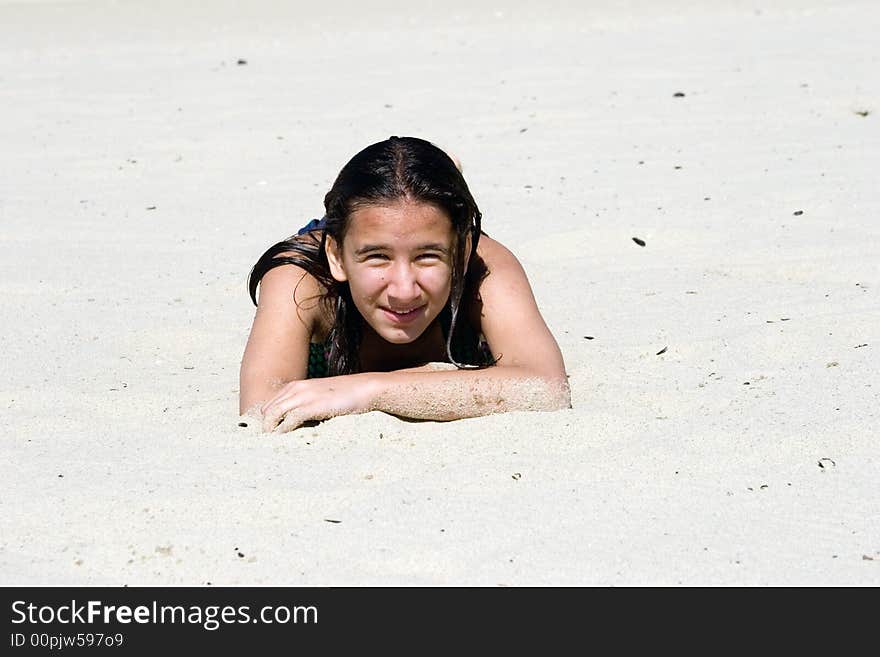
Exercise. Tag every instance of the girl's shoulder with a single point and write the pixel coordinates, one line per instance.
(495, 255)
(503, 284)
(494, 263)
(289, 288)
(493, 266)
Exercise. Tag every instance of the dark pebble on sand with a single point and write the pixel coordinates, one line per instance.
(522, 130)
(241, 62)
(862, 112)
(151, 207)
(589, 337)
(678, 94)
(242, 424)
(639, 241)
(335, 522)
(798, 213)
(240, 555)
(662, 351)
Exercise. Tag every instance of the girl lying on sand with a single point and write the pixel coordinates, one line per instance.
(396, 301)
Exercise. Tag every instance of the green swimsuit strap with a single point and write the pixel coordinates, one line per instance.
(318, 365)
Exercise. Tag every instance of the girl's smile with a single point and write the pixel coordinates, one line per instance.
(403, 316)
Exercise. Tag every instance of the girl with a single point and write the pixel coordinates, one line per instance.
(396, 301)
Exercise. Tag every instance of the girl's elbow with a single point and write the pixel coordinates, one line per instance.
(542, 391)
(558, 392)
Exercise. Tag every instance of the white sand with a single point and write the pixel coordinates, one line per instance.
(123, 327)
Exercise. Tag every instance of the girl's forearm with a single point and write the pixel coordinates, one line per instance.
(454, 394)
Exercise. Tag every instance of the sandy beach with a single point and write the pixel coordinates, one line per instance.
(724, 375)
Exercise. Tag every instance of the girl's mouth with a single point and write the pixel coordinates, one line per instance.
(404, 316)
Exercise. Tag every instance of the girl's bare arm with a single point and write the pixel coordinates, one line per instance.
(277, 350)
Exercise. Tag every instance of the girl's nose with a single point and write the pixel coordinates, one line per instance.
(402, 285)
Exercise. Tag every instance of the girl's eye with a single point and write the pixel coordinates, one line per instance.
(377, 256)
(429, 256)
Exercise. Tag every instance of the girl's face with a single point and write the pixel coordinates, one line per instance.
(397, 259)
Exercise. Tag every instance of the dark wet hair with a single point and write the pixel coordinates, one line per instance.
(394, 169)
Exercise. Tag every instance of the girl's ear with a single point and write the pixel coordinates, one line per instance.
(334, 258)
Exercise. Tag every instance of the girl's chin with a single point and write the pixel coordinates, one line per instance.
(398, 336)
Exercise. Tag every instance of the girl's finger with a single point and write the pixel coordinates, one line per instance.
(291, 421)
(270, 422)
(275, 413)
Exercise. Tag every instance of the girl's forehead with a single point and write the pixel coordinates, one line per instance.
(403, 218)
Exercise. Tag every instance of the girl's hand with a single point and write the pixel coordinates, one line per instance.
(318, 399)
